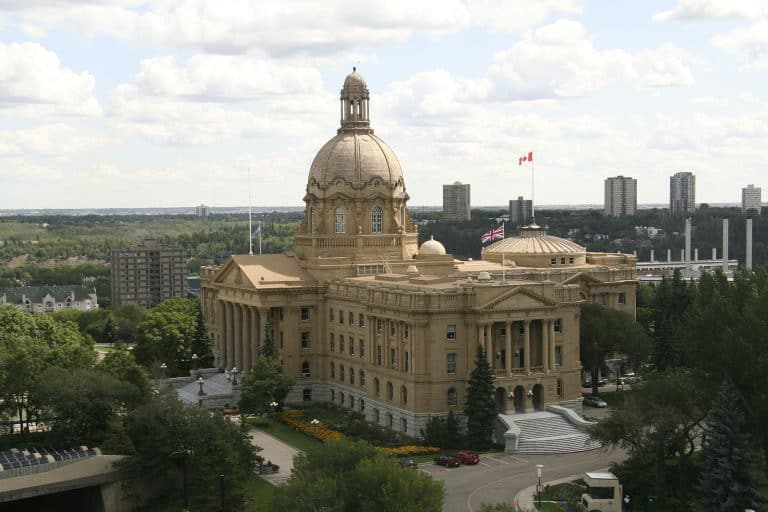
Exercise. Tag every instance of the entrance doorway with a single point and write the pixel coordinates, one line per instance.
(518, 399)
(501, 400)
(538, 397)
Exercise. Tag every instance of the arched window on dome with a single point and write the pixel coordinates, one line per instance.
(377, 219)
(339, 220)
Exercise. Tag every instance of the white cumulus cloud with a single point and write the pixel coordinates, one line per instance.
(749, 43)
(712, 10)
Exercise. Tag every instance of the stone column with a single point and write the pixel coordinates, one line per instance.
(263, 315)
(238, 335)
(230, 335)
(221, 344)
(545, 345)
(508, 349)
(527, 345)
(246, 362)
(489, 344)
(552, 338)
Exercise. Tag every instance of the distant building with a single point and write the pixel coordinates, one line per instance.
(148, 274)
(202, 211)
(520, 211)
(47, 299)
(750, 199)
(682, 193)
(456, 204)
(620, 196)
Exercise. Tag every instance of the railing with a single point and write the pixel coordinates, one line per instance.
(537, 369)
(501, 372)
(518, 371)
(337, 242)
(381, 241)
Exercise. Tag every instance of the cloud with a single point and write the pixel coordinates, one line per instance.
(749, 43)
(664, 67)
(502, 16)
(713, 10)
(32, 82)
(59, 140)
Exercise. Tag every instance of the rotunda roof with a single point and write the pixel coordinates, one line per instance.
(534, 240)
(356, 158)
(354, 84)
(431, 248)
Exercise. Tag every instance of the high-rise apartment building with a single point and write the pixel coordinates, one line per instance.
(620, 196)
(682, 193)
(456, 205)
(202, 210)
(520, 211)
(147, 274)
(750, 199)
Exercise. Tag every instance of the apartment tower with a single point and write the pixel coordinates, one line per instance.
(147, 274)
(456, 205)
(682, 193)
(620, 196)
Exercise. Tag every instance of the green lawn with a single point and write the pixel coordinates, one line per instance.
(549, 507)
(258, 494)
(289, 435)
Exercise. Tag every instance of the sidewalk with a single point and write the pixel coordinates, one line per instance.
(275, 451)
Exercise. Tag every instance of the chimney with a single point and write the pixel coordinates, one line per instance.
(687, 242)
(725, 245)
(749, 243)
(714, 253)
(669, 255)
(652, 256)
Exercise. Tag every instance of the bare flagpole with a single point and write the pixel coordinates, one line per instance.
(250, 227)
(533, 202)
(259, 236)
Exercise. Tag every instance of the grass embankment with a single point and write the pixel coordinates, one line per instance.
(284, 433)
(258, 494)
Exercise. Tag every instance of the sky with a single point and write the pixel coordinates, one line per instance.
(167, 103)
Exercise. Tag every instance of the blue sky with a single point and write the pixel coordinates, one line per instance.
(137, 103)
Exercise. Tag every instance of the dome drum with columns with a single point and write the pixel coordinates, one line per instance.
(356, 197)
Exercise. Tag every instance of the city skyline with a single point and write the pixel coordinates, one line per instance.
(143, 103)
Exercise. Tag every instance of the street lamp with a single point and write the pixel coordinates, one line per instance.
(200, 383)
(184, 453)
(539, 467)
(234, 376)
(194, 361)
(163, 367)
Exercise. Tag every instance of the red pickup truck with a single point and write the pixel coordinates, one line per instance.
(469, 457)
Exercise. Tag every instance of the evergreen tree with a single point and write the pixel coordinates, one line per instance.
(268, 347)
(728, 482)
(480, 408)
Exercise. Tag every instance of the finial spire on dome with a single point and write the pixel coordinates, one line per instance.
(354, 104)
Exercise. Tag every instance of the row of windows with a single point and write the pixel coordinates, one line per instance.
(570, 260)
(340, 220)
(351, 318)
(376, 383)
(393, 359)
(342, 345)
(393, 328)
(342, 400)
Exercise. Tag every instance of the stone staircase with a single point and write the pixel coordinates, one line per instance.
(546, 432)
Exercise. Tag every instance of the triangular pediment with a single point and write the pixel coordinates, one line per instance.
(581, 277)
(233, 275)
(516, 299)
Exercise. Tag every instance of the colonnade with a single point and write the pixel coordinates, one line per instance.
(525, 367)
(241, 329)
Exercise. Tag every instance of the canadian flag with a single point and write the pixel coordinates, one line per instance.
(526, 158)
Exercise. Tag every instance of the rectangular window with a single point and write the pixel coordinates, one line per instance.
(361, 320)
(600, 299)
(351, 318)
(558, 355)
(571, 260)
(305, 339)
(333, 343)
(341, 317)
(503, 331)
(392, 358)
(351, 346)
(521, 330)
(450, 333)
(307, 395)
(391, 327)
(281, 339)
(406, 331)
(362, 348)
(379, 325)
(331, 316)
(558, 326)
(378, 355)
(341, 343)
(305, 313)
(622, 298)
(452, 363)
(406, 364)
(562, 261)
(553, 261)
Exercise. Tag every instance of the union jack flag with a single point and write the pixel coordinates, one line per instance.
(493, 235)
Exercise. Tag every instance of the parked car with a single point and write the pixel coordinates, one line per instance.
(594, 401)
(468, 457)
(448, 460)
(588, 383)
(408, 463)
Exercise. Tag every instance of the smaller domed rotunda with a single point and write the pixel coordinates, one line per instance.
(535, 248)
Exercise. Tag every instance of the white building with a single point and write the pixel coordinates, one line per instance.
(750, 199)
(47, 299)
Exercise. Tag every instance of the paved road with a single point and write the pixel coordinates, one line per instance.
(499, 477)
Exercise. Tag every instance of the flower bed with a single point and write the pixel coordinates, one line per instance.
(295, 419)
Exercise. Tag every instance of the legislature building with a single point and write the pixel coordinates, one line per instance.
(364, 317)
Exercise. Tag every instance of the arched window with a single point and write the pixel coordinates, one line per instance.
(376, 416)
(452, 398)
(341, 373)
(333, 371)
(403, 395)
(390, 391)
(339, 220)
(351, 375)
(377, 216)
(341, 398)
(376, 387)
(390, 423)
(351, 402)
(305, 369)
(362, 405)
(362, 378)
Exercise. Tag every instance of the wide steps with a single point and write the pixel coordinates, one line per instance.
(551, 433)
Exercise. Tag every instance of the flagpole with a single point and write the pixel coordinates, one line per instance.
(250, 227)
(533, 202)
(259, 237)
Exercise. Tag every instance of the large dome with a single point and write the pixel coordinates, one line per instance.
(357, 158)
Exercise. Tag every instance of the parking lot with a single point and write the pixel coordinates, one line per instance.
(487, 461)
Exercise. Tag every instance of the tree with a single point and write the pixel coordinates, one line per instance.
(442, 432)
(727, 482)
(603, 331)
(268, 347)
(264, 384)
(111, 330)
(342, 476)
(123, 366)
(480, 408)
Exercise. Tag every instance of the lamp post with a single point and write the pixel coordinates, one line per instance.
(194, 361)
(234, 376)
(163, 367)
(200, 383)
(184, 453)
(539, 467)
(221, 492)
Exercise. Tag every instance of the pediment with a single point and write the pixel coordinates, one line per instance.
(582, 277)
(232, 274)
(516, 299)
